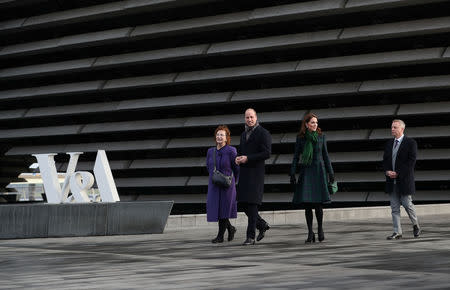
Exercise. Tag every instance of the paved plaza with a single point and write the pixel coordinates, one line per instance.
(355, 255)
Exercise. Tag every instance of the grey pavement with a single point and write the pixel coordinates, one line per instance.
(355, 255)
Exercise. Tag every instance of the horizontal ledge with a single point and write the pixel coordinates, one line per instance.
(363, 61)
(280, 159)
(275, 179)
(389, 30)
(288, 138)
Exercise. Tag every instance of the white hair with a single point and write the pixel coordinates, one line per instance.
(402, 124)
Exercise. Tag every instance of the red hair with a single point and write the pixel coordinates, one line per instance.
(227, 132)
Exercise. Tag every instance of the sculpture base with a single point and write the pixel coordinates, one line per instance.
(83, 219)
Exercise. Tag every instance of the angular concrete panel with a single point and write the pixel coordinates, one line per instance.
(48, 68)
(74, 15)
(235, 72)
(356, 112)
(193, 142)
(148, 217)
(12, 114)
(90, 147)
(72, 110)
(41, 220)
(414, 132)
(139, 81)
(149, 56)
(175, 101)
(66, 220)
(424, 108)
(169, 163)
(151, 181)
(23, 221)
(61, 89)
(133, 125)
(98, 36)
(37, 132)
(404, 28)
(190, 25)
(214, 120)
(372, 60)
(428, 82)
(299, 10)
(297, 92)
(117, 146)
(274, 42)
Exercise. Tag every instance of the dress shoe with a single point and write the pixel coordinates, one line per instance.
(321, 236)
(217, 240)
(394, 236)
(311, 238)
(231, 232)
(249, 241)
(416, 231)
(262, 232)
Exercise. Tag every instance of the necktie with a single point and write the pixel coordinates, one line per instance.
(396, 144)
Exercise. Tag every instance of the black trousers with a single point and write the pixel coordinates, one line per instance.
(255, 221)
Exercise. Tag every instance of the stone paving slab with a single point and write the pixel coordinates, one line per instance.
(355, 255)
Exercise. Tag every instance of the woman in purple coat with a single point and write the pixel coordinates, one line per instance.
(221, 201)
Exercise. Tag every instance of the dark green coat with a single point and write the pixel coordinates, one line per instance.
(312, 184)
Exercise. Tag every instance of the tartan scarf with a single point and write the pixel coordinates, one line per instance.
(311, 140)
(249, 130)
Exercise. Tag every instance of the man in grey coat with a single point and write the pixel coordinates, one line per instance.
(255, 147)
(399, 160)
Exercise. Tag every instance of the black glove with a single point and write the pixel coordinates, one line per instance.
(293, 180)
(331, 177)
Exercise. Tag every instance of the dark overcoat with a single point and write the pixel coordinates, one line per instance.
(312, 183)
(220, 201)
(257, 148)
(404, 165)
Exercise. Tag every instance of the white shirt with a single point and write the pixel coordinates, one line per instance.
(399, 140)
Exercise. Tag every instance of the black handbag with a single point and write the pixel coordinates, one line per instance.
(220, 179)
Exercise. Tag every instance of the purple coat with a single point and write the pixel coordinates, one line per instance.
(221, 202)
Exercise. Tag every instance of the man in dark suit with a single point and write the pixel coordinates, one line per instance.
(399, 160)
(255, 147)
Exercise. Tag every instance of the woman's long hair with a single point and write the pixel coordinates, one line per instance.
(306, 119)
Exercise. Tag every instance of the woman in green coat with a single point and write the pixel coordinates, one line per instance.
(311, 188)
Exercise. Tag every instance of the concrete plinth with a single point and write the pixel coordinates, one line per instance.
(92, 219)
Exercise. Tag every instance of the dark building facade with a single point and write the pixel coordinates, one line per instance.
(148, 81)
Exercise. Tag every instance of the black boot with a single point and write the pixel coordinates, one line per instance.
(320, 236)
(222, 228)
(231, 231)
(319, 217)
(311, 238)
(262, 232)
(309, 219)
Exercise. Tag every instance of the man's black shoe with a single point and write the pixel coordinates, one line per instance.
(262, 232)
(217, 240)
(416, 231)
(394, 236)
(249, 241)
